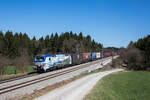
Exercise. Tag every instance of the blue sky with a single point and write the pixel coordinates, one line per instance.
(110, 22)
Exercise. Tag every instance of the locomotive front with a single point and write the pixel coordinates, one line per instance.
(41, 62)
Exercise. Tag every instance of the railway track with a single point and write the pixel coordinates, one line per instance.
(37, 80)
(17, 78)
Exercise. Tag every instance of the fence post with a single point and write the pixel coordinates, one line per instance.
(15, 71)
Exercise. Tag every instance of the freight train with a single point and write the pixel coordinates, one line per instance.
(49, 62)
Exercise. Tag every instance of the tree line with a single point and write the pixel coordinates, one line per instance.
(137, 54)
(18, 44)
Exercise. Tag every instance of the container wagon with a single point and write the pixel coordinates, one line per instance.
(93, 56)
(102, 55)
(76, 58)
(86, 57)
(98, 55)
(108, 54)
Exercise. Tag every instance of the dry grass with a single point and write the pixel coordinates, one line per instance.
(3, 77)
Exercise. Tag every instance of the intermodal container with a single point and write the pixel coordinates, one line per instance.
(102, 55)
(108, 54)
(93, 56)
(76, 58)
(86, 57)
(98, 55)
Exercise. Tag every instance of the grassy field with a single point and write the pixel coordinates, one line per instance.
(122, 86)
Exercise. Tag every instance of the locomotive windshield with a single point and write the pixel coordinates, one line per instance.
(39, 58)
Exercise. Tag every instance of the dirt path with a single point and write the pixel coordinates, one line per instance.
(77, 89)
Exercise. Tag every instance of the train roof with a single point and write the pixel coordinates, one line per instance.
(44, 55)
(60, 55)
